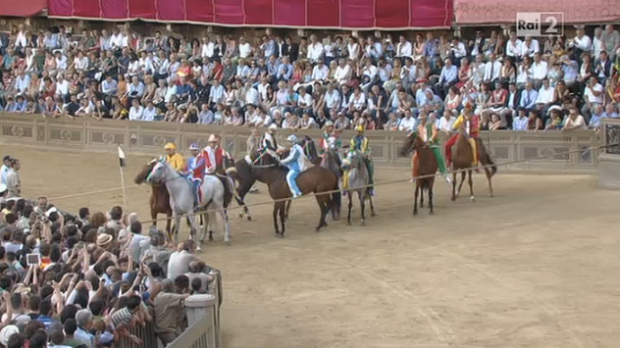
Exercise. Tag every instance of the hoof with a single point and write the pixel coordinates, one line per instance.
(431, 213)
(373, 214)
(249, 218)
(472, 199)
(210, 238)
(453, 198)
(199, 249)
(227, 243)
(280, 235)
(241, 216)
(348, 223)
(421, 205)
(491, 195)
(363, 223)
(415, 212)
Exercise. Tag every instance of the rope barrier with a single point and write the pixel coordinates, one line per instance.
(503, 164)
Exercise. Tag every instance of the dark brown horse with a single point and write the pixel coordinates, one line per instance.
(160, 199)
(268, 170)
(463, 159)
(426, 170)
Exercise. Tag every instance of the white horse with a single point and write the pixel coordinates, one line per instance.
(182, 197)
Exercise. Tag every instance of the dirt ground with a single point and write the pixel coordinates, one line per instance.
(535, 266)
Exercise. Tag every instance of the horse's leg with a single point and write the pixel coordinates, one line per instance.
(168, 222)
(421, 196)
(283, 217)
(463, 174)
(430, 199)
(288, 207)
(350, 206)
(372, 206)
(275, 217)
(177, 227)
(323, 206)
(471, 186)
(362, 196)
(489, 174)
(454, 186)
(415, 199)
(224, 216)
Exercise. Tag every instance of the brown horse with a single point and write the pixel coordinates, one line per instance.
(463, 159)
(268, 170)
(160, 199)
(426, 170)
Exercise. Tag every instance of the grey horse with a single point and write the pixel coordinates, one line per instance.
(331, 161)
(182, 198)
(358, 182)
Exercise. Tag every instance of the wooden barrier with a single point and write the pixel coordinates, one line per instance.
(537, 151)
(609, 158)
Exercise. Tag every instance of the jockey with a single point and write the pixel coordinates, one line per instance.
(175, 160)
(296, 163)
(214, 156)
(192, 160)
(471, 123)
(329, 138)
(428, 132)
(268, 141)
(360, 143)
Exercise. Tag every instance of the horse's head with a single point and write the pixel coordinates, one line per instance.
(144, 173)
(352, 160)
(263, 158)
(310, 150)
(157, 174)
(230, 166)
(408, 144)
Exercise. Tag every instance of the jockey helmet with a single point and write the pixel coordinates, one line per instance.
(359, 128)
(212, 139)
(170, 146)
(292, 138)
(194, 146)
(329, 124)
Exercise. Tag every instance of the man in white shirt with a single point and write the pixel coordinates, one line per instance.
(513, 46)
(374, 49)
(22, 82)
(611, 40)
(445, 123)
(592, 96)
(582, 42)
(343, 72)
(492, 69)
(529, 47)
(251, 94)
(404, 48)
(408, 122)
(447, 79)
(216, 95)
(116, 40)
(109, 87)
(546, 98)
(61, 61)
(539, 70)
(458, 50)
(521, 121)
(570, 68)
(574, 121)
(136, 112)
(62, 88)
(150, 113)
(245, 49)
(208, 48)
(320, 71)
(331, 99)
(315, 49)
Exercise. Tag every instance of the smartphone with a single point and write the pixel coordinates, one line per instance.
(33, 259)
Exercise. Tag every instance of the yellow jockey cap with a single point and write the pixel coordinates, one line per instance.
(170, 146)
(359, 128)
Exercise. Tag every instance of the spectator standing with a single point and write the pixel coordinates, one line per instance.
(13, 182)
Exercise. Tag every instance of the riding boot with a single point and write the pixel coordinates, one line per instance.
(474, 151)
(441, 164)
(196, 186)
(371, 181)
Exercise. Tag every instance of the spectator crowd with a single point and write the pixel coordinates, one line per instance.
(89, 280)
(383, 81)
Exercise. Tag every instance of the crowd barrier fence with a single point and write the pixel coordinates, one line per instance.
(544, 151)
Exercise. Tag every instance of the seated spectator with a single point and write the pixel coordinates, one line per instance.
(574, 121)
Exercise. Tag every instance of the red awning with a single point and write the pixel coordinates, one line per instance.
(349, 14)
(492, 12)
(21, 8)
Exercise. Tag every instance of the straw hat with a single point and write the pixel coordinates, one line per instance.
(104, 239)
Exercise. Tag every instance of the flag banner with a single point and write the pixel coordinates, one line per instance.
(121, 157)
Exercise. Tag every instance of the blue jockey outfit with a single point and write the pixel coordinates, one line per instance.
(295, 162)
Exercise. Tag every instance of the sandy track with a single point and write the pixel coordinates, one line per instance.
(535, 266)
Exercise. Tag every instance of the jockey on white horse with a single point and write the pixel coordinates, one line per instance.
(214, 156)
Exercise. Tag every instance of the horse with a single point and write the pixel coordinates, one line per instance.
(463, 158)
(212, 197)
(331, 161)
(426, 170)
(267, 169)
(159, 202)
(358, 182)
